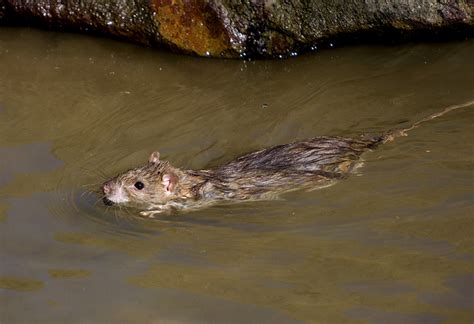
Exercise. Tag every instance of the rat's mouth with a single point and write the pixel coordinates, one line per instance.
(107, 201)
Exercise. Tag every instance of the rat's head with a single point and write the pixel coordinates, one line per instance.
(154, 183)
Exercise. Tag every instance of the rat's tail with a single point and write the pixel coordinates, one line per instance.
(394, 133)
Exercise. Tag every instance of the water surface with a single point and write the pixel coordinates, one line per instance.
(393, 243)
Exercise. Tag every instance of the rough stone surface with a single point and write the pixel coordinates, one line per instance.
(253, 28)
(2, 9)
(128, 19)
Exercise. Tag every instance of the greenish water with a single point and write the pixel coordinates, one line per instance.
(392, 244)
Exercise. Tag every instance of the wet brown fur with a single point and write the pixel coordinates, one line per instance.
(262, 174)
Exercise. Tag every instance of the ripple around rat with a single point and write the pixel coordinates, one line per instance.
(71, 205)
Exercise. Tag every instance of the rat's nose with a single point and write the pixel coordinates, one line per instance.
(107, 188)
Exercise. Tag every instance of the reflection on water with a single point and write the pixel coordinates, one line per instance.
(20, 284)
(392, 243)
(67, 273)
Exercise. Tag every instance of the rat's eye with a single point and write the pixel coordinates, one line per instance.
(139, 185)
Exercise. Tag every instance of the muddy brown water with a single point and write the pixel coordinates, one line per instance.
(392, 243)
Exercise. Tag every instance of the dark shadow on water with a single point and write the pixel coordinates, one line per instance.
(461, 295)
(378, 316)
(34, 157)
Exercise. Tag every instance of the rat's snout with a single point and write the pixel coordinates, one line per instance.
(113, 193)
(107, 188)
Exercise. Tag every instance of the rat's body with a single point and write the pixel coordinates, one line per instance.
(265, 174)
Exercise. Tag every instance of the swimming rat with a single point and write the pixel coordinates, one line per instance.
(159, 187)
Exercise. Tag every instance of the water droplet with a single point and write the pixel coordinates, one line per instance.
(110, 23)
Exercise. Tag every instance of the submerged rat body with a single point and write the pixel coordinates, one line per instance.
(264, 174)
(159, 187)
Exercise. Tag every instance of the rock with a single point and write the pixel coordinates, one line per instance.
(258, 28)
(127, 19)
(2, 10)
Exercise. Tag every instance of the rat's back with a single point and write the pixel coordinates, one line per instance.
(320, 154)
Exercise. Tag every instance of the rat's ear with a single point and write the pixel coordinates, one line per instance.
(169, 181)
(154, 157)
